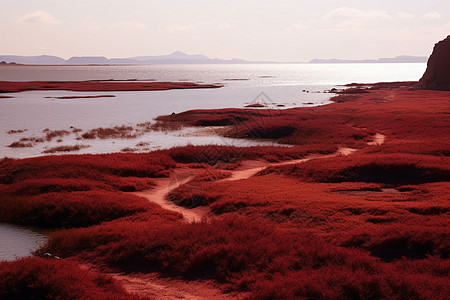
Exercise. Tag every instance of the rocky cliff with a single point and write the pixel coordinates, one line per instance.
(437, 75)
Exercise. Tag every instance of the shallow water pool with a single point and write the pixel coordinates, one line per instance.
(19, 241)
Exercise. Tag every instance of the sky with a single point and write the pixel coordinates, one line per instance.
(282, 30)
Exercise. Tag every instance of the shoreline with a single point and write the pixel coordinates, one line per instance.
(351, 91)
(142, 106)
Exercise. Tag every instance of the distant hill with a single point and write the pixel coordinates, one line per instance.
(177, 57)
(42, 59)
(398, 59)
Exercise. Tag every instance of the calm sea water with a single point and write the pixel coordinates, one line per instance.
(261, 75)
(279, 84)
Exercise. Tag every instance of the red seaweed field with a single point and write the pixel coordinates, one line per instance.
(356, 206)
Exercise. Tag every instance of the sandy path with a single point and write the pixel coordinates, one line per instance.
(378, 139)
(155, 287)
(164, 187)
(250, 168)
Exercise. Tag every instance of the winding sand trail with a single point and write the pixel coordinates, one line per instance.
(248, 169)
(156, 287)
(164, 186)
(153, 285)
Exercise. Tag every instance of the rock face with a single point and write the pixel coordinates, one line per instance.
(437, 75)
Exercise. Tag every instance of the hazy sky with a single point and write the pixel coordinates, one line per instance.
(283, 30)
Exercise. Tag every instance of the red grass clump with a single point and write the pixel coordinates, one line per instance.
(287, 127)
(341, 282)
(195, 193)
(219, 117)
(70, 241)
(38, 278)
(248, 255)
(396, 241)
(386, 168)
(192, 194)
(210, 174)
(36, 186)
(67, 191)
(74, 209)
(213, 154)
(93, 167)
(301, 132)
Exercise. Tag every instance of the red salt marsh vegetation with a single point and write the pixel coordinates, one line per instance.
(369, 225)
(38, 278)
(97, 86)
(70, 209)
(293, 126)
(72, 191)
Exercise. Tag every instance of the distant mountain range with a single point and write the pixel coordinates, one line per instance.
(398, 59)
(177, 57)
